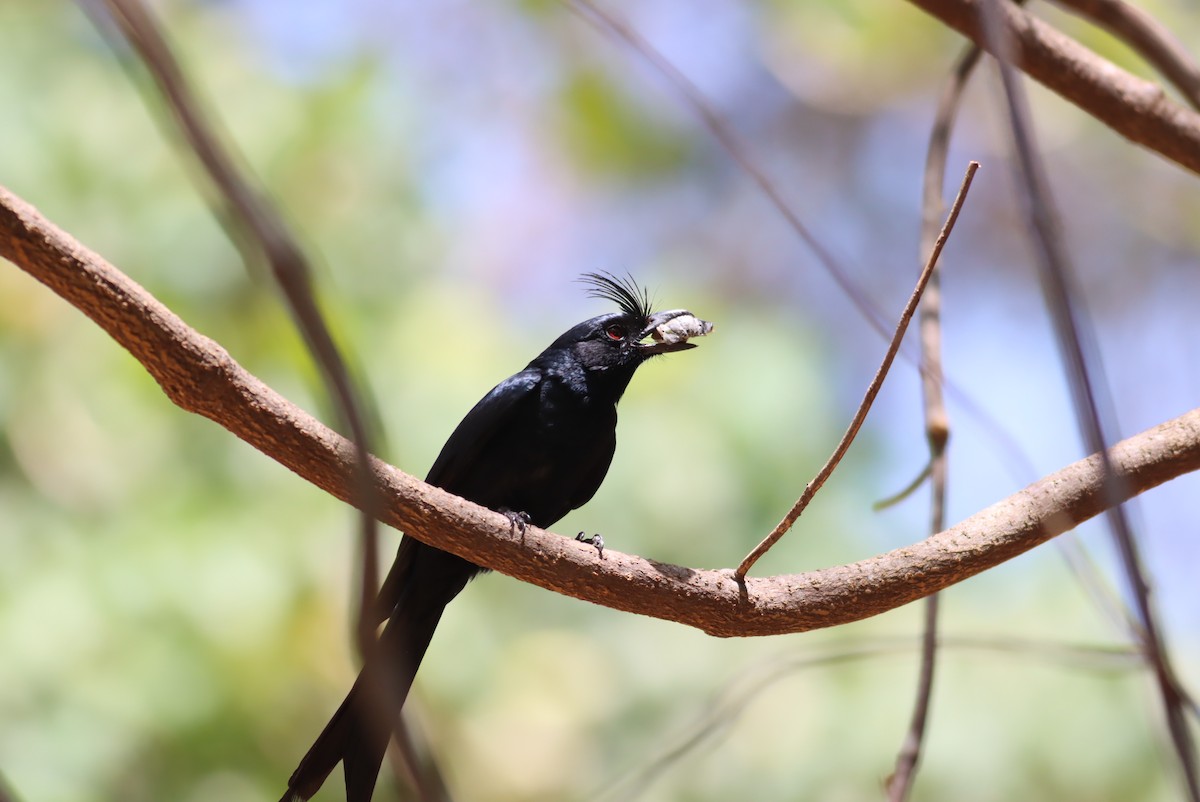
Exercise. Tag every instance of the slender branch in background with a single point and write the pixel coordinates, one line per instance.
(257, 222)
(201, 377)
(6, 792)
(1136, 109)
(411, 759)
(722, 133)
(1148, 37)
(827, 470)
(1081, 358)
(1094, 582)
(1078, 561)
(257, 219)
(1007, 447)
(908, 490)
(727, 704)
(937, 420)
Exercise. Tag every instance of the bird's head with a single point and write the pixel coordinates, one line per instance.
(620, 341)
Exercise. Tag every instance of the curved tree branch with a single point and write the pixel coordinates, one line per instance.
(1152, 40)
(1137, 109)
(200, 376)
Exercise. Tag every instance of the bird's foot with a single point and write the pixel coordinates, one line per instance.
(519, 521)
(593, 540)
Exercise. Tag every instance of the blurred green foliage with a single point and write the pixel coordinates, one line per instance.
(173, 605)
(600, 124)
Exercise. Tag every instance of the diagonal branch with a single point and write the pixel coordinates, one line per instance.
(1084, 369)
(1137, 109)
(937, 420)
(261, 232)
(200, 376)
(813, 487)
(1152, 40)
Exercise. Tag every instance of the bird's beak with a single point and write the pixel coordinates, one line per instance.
(670, 331)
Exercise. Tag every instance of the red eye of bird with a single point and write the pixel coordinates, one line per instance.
(615, 333)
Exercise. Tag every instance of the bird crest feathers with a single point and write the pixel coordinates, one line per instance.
(632, 299)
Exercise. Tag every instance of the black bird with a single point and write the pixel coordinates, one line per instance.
(536, 447)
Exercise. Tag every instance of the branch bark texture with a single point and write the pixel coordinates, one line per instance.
(200, 376)
(1137, 109)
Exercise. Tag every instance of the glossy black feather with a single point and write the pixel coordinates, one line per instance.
(630, 298)
(539, 443)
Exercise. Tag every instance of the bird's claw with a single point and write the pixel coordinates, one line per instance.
(519, 521)
(593, 540)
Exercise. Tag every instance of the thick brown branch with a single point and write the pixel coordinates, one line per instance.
(1137, 109)
(200, 376)
(1150, 38)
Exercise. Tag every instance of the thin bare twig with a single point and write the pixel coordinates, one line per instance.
(1072, 550)
(937, 420)
(827, 470)
(1082, 363)
(1006, 444)
(906, 491)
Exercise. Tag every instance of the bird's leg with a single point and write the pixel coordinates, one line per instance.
(517, 520)
(593, 540)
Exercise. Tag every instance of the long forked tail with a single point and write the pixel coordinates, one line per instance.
(358, 734)
(422, 582)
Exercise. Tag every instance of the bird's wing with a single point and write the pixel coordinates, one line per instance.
(494, 413)
(491, 416)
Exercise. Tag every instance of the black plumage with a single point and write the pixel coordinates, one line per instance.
(537, 445)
